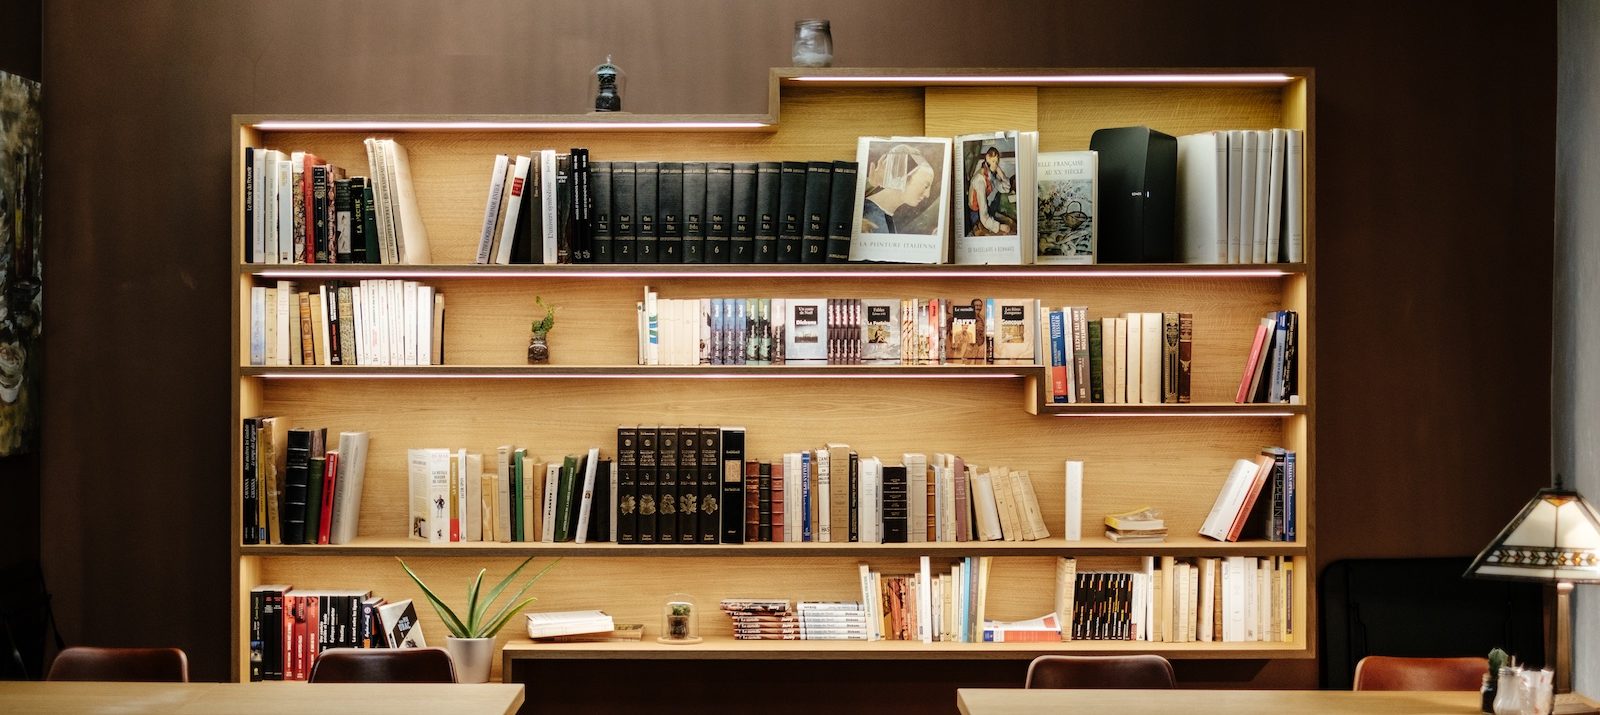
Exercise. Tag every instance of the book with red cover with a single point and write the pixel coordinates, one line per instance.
(330, 476)
(752, 501)
(308, 208)
(1263, 471)
(1256, 346)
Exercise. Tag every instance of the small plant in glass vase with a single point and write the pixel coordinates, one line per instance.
(538, 348)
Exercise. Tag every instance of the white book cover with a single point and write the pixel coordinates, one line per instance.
(611, 505)
(1263, 600)
(874, 617)
(924, 600)
(1250, 613)
(347, 486)
(1202, 192)
(1134, 364)
(947, 501)
(491, 211)
(258, 204)
(1016, 330)
(901, 203)
(285, 297)
(1150, 359)
(1207, 601)
(258, 327)
(1219, 521)
(917, 495)
(880, 331)
(984, 506)
(1074, 480)
(653, 327)
(1247, 196)
(586, 496)
(424, 317)
(506, 185)
(1258, 246)
(408, 322)
(396, 311)
(502, 494)
(547, 191)
(474, 474)
(285, 210)
(987, 198)
(321, 325)
(824, 467)
(1068, 188)
(1235, 194)
(400, 625)
(418, 509)
(267, 195)
(438, 495)
(870, 508)
(1275, 195)
(513, 209)
(552, 484)
(1294, 196)
(412, 234)
(804, 331)
(1121, 377)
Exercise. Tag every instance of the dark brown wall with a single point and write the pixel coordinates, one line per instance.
(1434, 185)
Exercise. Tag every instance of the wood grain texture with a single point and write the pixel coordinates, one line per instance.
(967, 110)
(1069, 115)
(256, 698)
(1238, 702)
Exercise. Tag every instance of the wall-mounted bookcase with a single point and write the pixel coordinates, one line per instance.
(1174, 457)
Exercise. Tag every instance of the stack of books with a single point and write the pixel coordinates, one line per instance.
(1140, 525)
(762, 619)
(833, 621)
(578, 626)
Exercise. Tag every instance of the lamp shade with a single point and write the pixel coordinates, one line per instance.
(1556, 537)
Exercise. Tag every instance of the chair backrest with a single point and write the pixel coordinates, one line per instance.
(162, 665)
(383, 665)
(1382, 672)
(1112, 671)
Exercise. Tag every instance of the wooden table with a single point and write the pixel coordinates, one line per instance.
(26, 698)
(985, 701)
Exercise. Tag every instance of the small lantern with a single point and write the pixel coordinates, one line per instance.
(680, 621)
(608, 81)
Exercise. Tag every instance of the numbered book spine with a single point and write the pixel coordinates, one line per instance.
(719, 212)
(623, 185)
(669, 211)
(840, 208)
(819, 195)
(688, 485)
(646, 181)
(791, 210)
(667, 485)
(769, 175)
(743, 244)
(694, 212)
(600, 196)
(710, 462)
(646, 468)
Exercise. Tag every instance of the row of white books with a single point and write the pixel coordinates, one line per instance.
(372, 322)
(1179, 600)
(928, 605)
(1139, 358)
(1240, 196)
(837, 331)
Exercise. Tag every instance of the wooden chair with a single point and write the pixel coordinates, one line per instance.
(1088, 671)
(383, 665)
(1382, 672)
(159, 665)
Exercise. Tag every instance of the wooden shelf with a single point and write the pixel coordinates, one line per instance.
(532, 372)
(1091, 546)
(727, 648)
(1190, 409)
(702, 270)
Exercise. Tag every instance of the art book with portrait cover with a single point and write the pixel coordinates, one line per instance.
(992, 185)
(901, 202)
(1069, 206)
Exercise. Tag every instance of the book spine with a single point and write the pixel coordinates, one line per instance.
(646, 467)
(492, 209)
(769, 175)
(688, 485)
(791, 210)
(253, 250)
(330, 472)
(819, 194)
(319, 211)
(855, 497)
(1171, 368)
(645, 198)
(369, 224)
(343, 213)
(840, 209)
(667, 485)
(1058, 358)
(1185, 355)
(296, 481)
(251, 504)
(600, 196)
(764, 499)
(1080, 353)
(896, 505)
(566, 252)
(1097, 391)
(752, 502)
(624, 183)
(1291, 488)
(719, 212)
(694, 210)
(669, 211)
(711, 497)
(627, 485)
(582, 209)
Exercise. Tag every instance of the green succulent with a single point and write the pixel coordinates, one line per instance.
(1497, 660)
(478, 623)
(548, 322)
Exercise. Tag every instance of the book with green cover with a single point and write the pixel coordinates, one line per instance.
(517, 486)
(564, 494)
(1097, 382)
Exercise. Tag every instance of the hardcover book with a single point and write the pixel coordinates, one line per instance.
(623, 187)
(646, 469)
(743, 247)
(627, 485)
(667, 485)
(600, 181)
(994, 183)
(645, 198)
(1015, 326)
(669, 211)
(694, 208)
(711, 496)
(964, 339)
(880, 332)
(719, 211)
(1068, 205)
(769, 177)
(688, 485)
(902, 205)
(843, 193)
(805, 329)
(791, 210)
(819, 194)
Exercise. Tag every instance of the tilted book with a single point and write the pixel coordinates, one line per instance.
(901, 205)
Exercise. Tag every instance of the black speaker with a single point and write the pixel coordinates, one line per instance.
(1138, 195)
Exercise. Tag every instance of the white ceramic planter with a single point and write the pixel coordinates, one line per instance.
(472, 658)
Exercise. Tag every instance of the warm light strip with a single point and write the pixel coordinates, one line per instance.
(400, 126)
(635, 376)
(929, 273)
(1253, 78)
(1166, 413)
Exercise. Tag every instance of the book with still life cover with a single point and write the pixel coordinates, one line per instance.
(1069, 207)
(901, 202)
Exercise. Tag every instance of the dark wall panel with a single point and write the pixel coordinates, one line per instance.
(1434, 189)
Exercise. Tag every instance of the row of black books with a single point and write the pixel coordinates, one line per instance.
(1272, 370)
(837, 331)
(370, 322)
(1138, 358)
(557, 208)
(301, 209)
(290, 627)
(297, 487)
(1178, 600)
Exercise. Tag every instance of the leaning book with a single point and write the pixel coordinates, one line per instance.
(993, 188)
(901, 202)
(1068, 206)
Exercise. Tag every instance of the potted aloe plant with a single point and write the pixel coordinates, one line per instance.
(471, 640)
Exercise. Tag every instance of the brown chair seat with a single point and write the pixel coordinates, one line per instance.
(1089, 671)
(383, 665)
(1382, 672)
(158, 665)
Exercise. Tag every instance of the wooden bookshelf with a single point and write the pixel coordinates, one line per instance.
(1173, 457)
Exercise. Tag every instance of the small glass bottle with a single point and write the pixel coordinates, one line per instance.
(680, 622)
(813, 44)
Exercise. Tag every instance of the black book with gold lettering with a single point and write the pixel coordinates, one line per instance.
(669, 211)
(819, 194)
(645, 183)
(623, 186)
(732, 506)
(667, 485)
(764, 502)
(719, 211)
(646, 469)
(694, 212)
(769, 174)
(791, 210)
(896, 505)
(600, 225)
(688, 485)
(710, 485)
(627, 485)
(840, 208)
(744, 213)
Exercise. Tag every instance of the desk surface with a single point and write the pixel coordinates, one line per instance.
(20, 698)
(974, 701)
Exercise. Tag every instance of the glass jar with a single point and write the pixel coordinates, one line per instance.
(680, 620)
(813, 44)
